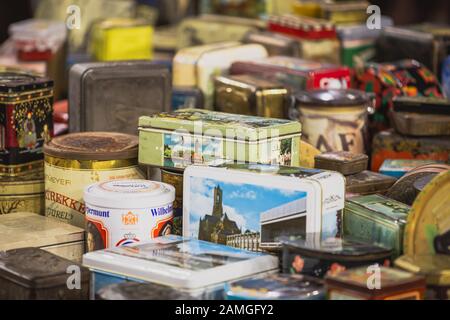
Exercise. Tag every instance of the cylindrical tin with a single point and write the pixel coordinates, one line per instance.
(175, 178)
(77, 160)
(334, 120)
(127, 211)
(23, 193)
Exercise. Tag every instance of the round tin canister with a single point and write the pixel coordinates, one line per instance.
(22, 194)
(175, 178)
(122, 212)
(77, 160)
(333, 120)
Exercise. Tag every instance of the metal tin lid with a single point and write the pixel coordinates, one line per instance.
(428, 230)
(332, 98)
(277, 287)
(129, 194)
(93, 146)
(32, 183)
(11, 82)
(140, 291)
(368, 182)
(342, 157)
(435, 268)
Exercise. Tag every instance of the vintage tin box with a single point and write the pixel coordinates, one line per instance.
(251, 95)
(358, 284)
(184, 137)
(333, 120)
(421, 105)
(190, 266)
(121, 39)
(140, 291)
(314, 256)
(77, 160)
(376, 219)
(26, 106)
(186, 97)
(297, 74)
(344, 162)
(344, 12)
(435, 269)
(275, 44)
(175, 178)
(428, 226)
(225, 204)
(368, 182)
(391, 145)
(246, 8)
(399, 167)
(24, 229)
(276, 287)
(35, 274)
(111, 96)
(23, 193)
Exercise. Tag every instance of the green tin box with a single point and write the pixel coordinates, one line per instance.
(195, 136)
(376, 219)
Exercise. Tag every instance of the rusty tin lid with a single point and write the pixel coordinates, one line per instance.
(93, 146)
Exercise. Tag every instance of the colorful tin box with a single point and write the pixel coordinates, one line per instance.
(194, 136)
(35, 274)
(140, 291)
(228, 202)
(111, 96)
(190, 266)
(275, 44)
(391, 145)
(376, 219)
(368, 182)
(344, 162)
(251, 95)
(26, 110)
(277, 287)
(297, 74)
(363, 284)
(399, 167)
(23, 193)
(24, 229)
(314, 256)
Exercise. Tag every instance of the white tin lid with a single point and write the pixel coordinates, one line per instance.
(181, 263)
(129, 194)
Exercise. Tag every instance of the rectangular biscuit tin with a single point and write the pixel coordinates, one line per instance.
(342, 161)
(368, 182)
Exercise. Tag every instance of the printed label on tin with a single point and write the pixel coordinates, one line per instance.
(108, 228)
(29, 203)
(64, 189)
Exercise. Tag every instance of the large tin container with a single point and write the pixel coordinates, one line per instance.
(376, 219)
(184, 137)
(225, 204)
(251, 95)
(175, 178)
(77, 160)
(140, 291)
(368, 182)
(356, 284)
(25, 229)
(277, 287)
(297, 74)
(391, 145)
(23, 193)
(110, 96)
(276, 44)
(435, 269)
(333, 120)
(344, 162)
(26, 107)
(35, 274)
(318, 257)
(190, 266)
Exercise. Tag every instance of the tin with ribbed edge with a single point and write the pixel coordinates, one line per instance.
(77, 160)
(123, 212)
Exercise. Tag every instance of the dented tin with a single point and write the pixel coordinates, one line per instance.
(368, 182)
(250, 95)
(344, 162)
(77, 160)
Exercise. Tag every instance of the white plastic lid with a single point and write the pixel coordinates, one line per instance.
(129, 194)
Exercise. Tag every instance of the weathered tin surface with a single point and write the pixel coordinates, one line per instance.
(342, 161)
(368, 182)
(391, 145)
(376, 219)
(394, 285)
(275, 44)
(421, 125)
(25, 229)
(23, 193)
(140, 291)
(175, 179)
(77, 160)
(195, 136)
(435, 269)
(399, 167)
(319, 257)
(333, 120)
(35, 274)
(26, 106)
(428, 227)
(110, 96)
(251, 95)
(421, 105)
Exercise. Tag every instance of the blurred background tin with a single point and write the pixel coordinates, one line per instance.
(368, 182)
(344, 162)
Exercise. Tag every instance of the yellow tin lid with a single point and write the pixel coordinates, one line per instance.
(32, 183)
(435, 268)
